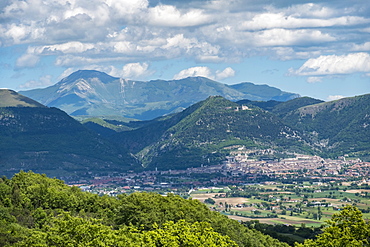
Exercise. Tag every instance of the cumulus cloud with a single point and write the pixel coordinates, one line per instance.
(17, 32)
(288, 53)
(314, 79)
(284, 37)
(282, 20)
(69, 71)
(128, 71)
(128, 11)
(361, 47)
(333, 64)
(63, 48)
(27, 61)
(74, 61)
(205, 72)
(44, 81)
(193, 71)
(167, 15)
(335, 97)
(134, 70)
(95, 32)
(226, 73)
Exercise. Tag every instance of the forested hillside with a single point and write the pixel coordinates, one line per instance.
(199, 134)
(39, 211)
(337, 127)
(47, 140)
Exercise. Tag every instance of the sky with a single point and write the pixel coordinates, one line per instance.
(319, 49)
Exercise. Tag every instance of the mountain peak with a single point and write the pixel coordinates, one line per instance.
(90, 92)
(89, 74)
(10, 98)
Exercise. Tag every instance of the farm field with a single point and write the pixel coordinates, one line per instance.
(309, 204)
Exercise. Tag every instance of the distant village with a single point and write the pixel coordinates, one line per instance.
(238, 169)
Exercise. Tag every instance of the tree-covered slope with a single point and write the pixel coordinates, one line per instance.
(266, 105)
(286, 107)
(338, 127)
(38, 211)
(199, 134)
(48, 140)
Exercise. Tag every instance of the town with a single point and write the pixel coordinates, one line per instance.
(300, 190)
(238, 169)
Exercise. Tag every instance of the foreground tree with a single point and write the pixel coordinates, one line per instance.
(346, 228)
(67, 230)
(39, 211)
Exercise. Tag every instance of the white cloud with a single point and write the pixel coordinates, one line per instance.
(205, 72)
(314, 79)
(192, 72)
(64, 48)
(70, 60)
(44, 81)
(99, 32)
(288, 53)
(17, 32)
(282, 20)
(127, 9)
(67, 72)
(134, 70)
(284, 37)
(335, 97)
(311, 10)
(167, 15)
(226, 73)
(177, 45)
(128, 71)
(333, 64)
(27, 61)
(361, 47)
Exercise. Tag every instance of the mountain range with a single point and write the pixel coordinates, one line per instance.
(94, 93)
(204, 133)
(199, 135)
(47, 140)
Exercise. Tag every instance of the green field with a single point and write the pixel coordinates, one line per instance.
(290, 204)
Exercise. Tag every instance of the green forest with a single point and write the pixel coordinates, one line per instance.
(40, 211)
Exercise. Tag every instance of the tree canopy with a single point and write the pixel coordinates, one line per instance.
(39, 211)
(346, 228)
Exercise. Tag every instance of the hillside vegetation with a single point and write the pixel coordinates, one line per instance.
(39, 211)
(9, 98)
(337, 127)
(200, 134)
(203, 133)
(48, 140)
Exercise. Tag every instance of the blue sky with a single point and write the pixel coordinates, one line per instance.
(319, 49)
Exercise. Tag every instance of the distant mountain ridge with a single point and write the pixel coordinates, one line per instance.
(47, 140)
(199, 134)
(89, 92)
